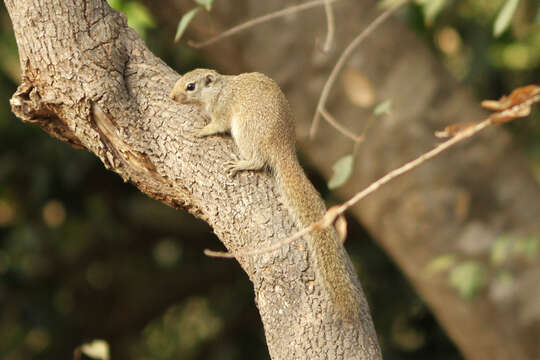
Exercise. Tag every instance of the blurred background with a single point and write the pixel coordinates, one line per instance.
(77, 264)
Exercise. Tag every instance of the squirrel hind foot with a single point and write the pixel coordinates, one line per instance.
(235, 166)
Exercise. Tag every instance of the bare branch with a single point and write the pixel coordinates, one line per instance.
(276, 246)
(238, 28)
(346, 132)
(523, 99)
(337, 210)
(344, 57)
(331, 23)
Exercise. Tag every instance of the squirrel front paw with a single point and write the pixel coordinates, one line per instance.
(212, 128)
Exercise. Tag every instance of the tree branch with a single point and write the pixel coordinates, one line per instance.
(89, 80)
(483, 188)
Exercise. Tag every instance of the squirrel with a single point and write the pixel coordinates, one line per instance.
(254, 110)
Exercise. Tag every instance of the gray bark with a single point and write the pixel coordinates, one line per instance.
(89, 80)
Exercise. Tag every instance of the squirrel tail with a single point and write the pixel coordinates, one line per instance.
(332, 265)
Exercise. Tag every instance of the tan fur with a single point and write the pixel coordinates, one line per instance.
(255, 111)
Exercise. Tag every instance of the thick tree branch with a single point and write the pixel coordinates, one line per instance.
(460, 203)
(89, 80)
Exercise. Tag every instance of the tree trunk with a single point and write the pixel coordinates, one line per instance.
(89, 80)
(459, 203)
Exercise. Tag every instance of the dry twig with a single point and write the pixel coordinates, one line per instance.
(331, 25)
(518, 104)
(346, 132)
(238, 28)
(343, 58)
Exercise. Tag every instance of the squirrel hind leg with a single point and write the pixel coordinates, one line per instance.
(236, 166)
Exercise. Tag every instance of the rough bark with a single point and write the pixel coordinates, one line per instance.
(459, 203)
(89, 80)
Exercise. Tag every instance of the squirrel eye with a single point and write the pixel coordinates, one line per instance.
(190, 86)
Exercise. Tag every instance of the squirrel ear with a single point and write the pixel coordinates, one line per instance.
(209, 79)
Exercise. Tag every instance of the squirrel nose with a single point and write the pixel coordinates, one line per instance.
(178, 97)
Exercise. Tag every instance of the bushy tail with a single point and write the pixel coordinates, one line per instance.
(332, 265)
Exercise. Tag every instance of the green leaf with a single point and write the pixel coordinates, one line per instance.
(383, 108)
(505, 278)
(468, 278)
(115, 4)
(441, 263)
(387, 4)
(431, 9)
(139, 18)
(504, 18)
(500, 250)
(527, 246)
(184, 22)
(207, 4)
(97, 349)
(342, 171)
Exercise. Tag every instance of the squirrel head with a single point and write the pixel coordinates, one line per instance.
(197, 86)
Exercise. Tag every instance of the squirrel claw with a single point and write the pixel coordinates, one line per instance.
(232, 168)
(199, 133)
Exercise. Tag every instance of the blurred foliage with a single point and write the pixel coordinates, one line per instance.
(186, 19)
(85, 256)
(491, 266)
(468, 278)
(139, 18)
(462, 33)
(184, 22)
(494, 47)
(181, 332)
(510, 247)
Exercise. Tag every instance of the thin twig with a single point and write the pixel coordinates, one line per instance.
(343, 58)
(273, 247)
(337, 210)
(346, 132)
(519, 107)
(238, 28)
(330, 20)
(467, 133)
